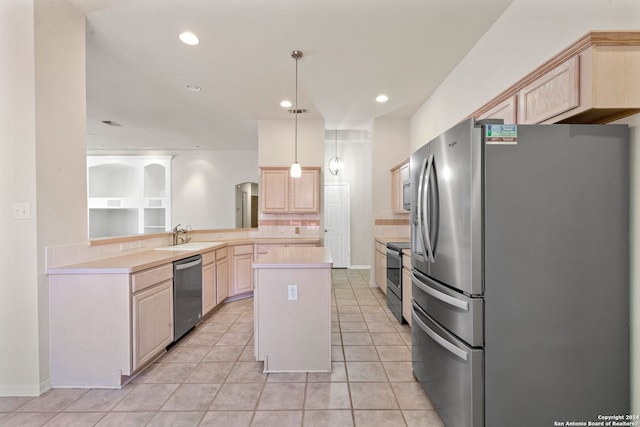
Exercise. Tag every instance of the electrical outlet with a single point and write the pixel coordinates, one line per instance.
(297, 230)
(292, 292)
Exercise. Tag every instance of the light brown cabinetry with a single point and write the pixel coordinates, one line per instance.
(553, 93)
(215, 279)
(399, 175)
(283, 194)
(107, 327)
(591, 81)
(242, 271)
(406, 287)
(505, 110)
(152, 322)
(222, 275)
(208, 282)
(381, 266)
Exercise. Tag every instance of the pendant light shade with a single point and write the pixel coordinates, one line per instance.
(335, 163)
(296, 170)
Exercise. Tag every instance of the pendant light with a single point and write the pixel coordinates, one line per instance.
(335, 163)
(296, 171)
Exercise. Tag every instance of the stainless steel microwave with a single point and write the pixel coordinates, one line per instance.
(406, 195)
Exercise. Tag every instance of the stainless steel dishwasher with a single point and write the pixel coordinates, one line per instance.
(187, 295)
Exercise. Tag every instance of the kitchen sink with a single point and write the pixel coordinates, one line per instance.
(191, 246)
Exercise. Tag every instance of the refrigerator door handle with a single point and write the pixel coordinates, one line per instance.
(419, 206)
(462, 354)
(441, 296)
(423, 189)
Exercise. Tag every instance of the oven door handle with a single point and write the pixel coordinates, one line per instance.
(441, 296)
(462, 354)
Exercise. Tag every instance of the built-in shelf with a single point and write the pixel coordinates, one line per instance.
(128, 195)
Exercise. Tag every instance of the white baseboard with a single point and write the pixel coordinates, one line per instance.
(359, 267)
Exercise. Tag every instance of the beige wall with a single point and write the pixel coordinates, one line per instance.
(526, 35)
(19, 365)
(390, 147)
(43, 164)
(203, 186)
(276, 144)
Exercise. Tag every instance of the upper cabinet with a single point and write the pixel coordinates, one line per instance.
(399, 175)
(283, 194)
(592, 81)
(128, 195)
(555, 92)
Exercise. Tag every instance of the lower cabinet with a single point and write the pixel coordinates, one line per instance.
(152, 322)
(208, 282)
(107, 327)
(242, 270)
(222, 277)
(381, 266)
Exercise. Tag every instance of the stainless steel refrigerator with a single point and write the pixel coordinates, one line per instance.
(520, 257)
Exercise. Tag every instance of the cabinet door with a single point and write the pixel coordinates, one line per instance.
(222, 280)
(242, 274)
(208, 288)
(505, 110)
(305, 192)
(275, 191)
(152, 322)
(553, 93)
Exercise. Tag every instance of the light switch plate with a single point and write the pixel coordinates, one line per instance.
(21, 210)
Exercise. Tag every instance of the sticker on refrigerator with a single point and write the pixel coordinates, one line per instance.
(501, 134)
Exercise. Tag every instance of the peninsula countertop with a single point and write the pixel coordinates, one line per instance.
(297, 258)
(137, 261)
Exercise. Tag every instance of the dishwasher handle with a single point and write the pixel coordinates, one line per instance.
(188, 264)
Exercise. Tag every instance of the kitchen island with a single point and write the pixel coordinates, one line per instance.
(292, 301)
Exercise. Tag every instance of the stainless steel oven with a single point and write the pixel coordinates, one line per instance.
(394, 277)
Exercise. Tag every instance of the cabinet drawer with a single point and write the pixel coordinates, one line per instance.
(300, 245)
(222, 253)
(243, 249)
(381, 247)
(208, 257)
(144, 279)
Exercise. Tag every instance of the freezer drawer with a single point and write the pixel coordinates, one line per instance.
(461, 315)
(450, 372)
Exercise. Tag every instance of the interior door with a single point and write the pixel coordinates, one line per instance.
(336, 223)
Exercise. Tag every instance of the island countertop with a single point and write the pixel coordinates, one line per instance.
(297, 258)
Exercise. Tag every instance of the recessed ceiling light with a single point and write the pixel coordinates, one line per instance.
(286, 104)
(193, 88)
(382, 98)
(189, 38)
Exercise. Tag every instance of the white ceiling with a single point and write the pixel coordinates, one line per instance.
(137, 68)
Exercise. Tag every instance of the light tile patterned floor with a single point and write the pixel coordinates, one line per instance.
(211, 378)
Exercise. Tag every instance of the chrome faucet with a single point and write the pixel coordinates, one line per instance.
(177, 240)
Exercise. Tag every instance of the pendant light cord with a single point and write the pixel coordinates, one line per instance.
(296, 111)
